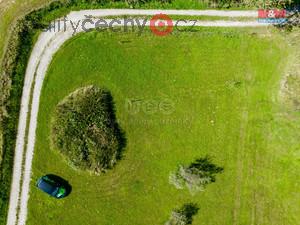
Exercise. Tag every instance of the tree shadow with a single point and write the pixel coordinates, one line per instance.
(62, 182)
(190, 210)
(206, 165)
(113, 123)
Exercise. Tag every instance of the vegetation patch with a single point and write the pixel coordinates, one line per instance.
(85, 130)
(195, 176)
(184, 215)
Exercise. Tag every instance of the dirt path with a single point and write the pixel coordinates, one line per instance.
(47, 45)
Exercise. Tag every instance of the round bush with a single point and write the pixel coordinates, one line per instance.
(84, 129)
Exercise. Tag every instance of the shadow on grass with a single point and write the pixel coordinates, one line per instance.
(120, 134)
(62, 182)
(190, 210)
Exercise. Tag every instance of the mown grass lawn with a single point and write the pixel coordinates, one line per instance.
(211, 92)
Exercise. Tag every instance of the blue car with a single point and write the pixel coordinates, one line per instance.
(51, 187)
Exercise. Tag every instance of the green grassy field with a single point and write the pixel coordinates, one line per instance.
(15, 48)
(211, 92)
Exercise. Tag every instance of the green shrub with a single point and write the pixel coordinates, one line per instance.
(184, 215)
(195, 176)
(85, 130)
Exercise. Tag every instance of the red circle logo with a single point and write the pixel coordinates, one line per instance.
(161, 25)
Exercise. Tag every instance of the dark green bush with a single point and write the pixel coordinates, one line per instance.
(85, 130)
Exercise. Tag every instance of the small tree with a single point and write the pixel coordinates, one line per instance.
(184, 215)
(195, 176)
(85, 130)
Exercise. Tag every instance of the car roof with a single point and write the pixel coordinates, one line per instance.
(46, 186)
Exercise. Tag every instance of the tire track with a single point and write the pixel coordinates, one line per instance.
(240, 166)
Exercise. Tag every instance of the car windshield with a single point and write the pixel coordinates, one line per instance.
(47, 187)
